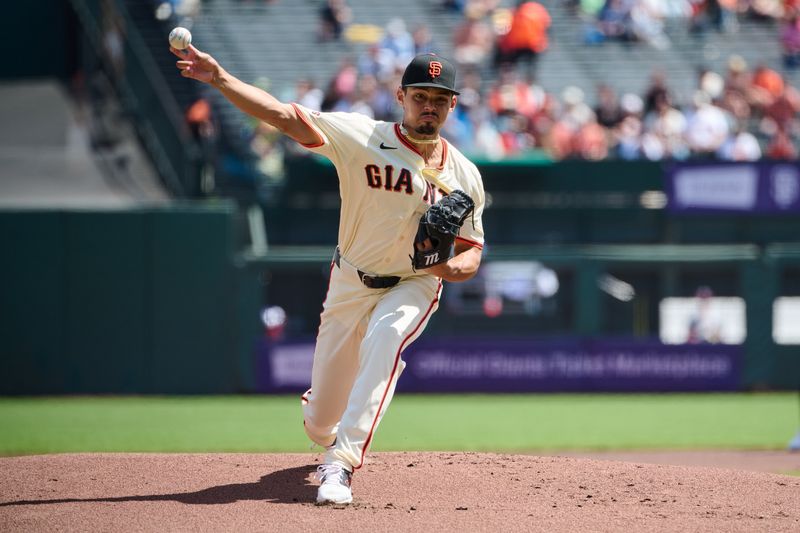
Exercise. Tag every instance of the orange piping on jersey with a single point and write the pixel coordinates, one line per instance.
(444, 155)
(307, 123)
(471, 243)
(408, 144)
(391, 377)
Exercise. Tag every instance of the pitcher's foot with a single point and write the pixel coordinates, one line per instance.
(335, 485)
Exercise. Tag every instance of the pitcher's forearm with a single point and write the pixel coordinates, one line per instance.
(254, 101)
(462, 267)
(250, 99)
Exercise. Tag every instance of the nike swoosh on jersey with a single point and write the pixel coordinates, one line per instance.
(384, 147)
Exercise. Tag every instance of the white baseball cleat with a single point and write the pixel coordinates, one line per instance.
(335, 487)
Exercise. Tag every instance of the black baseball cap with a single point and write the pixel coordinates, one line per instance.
(430, 70)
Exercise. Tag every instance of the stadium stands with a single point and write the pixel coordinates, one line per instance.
(47, 162)
(275, 44)
(627, 66)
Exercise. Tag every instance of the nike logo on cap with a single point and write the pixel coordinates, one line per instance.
(384, 147)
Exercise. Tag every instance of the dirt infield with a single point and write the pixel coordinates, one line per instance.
(393, 492)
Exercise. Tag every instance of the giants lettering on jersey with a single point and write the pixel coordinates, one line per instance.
(431, 192)
(385, 180)
(376, 180)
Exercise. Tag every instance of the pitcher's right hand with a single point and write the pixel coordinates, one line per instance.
(196, 65)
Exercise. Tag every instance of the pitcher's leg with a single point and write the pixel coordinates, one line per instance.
(342, 326)
(332, 376)
(397, 320)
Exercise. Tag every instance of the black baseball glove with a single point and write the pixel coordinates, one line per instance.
(438, 229)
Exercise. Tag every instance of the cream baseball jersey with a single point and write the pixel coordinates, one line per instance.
(383, 191)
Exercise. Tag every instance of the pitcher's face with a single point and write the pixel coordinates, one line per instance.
(425, 109)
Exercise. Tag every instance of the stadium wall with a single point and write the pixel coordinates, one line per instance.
(161, 301)
(586, 337)
(125, 302)
(569, 202)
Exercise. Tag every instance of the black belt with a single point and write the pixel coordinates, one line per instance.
(373, 282)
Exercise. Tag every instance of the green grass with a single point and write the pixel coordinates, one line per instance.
(414, 422)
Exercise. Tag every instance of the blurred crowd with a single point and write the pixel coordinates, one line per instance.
(742, 114)
(646, 20)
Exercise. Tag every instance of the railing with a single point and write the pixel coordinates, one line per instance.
(145, 95)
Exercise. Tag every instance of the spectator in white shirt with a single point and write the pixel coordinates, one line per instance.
(707, 128)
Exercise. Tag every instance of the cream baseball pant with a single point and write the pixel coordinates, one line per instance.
(357, 359)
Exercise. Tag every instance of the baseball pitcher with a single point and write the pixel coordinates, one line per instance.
(410, 218)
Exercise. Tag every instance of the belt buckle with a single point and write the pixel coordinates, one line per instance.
(367, 280)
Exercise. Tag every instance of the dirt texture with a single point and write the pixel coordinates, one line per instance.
(393, 492)
(777, 462)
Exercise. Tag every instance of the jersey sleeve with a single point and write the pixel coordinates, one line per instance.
(337, 133)
(472, 230)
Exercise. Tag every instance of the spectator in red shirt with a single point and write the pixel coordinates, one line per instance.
(591, 141)
(527, 37)
(781, 146)
(510, 96)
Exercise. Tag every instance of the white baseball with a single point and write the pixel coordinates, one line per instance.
(180, 38)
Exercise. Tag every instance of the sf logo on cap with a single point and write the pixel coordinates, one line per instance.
(434, 68)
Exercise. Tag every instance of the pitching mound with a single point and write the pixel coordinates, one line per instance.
(393, 492)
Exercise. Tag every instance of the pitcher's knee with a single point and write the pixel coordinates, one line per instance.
(322, 435)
